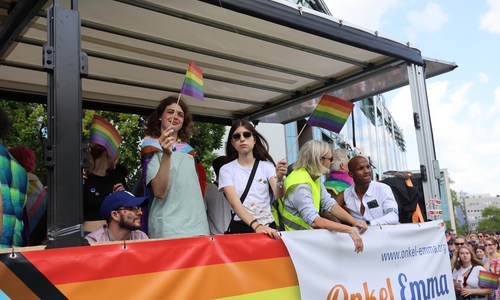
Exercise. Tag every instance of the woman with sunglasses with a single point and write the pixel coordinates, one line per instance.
(466, 276)
(172, 174)
(306, 198)
(244, 147)
(492, 262)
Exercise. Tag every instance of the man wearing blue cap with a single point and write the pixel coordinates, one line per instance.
(122, 212)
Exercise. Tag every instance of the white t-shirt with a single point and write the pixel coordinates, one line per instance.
(472, 280)
(258, 200)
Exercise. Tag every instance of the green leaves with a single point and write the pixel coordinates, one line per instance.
(206, 140)
(491, 219)
(29, 128)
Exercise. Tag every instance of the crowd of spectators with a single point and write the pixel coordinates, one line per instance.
(468, 256)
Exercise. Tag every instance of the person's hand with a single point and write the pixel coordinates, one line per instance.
(267, 230)
(118, 187)
(166, 141)
(362, 226)
(281, 169)
(358, 242)
(466, 292)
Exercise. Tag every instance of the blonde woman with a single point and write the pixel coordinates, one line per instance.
(306, 198)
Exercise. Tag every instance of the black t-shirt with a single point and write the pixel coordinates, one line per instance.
(95, 189)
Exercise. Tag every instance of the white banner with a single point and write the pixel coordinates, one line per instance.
(399, 262)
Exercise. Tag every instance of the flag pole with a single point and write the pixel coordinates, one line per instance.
(175, 110)
(296, 139)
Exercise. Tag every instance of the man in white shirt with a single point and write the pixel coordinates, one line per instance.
(368, 200)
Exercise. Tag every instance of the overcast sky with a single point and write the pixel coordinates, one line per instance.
(465, 103)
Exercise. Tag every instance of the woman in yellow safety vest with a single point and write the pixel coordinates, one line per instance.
(306, 198)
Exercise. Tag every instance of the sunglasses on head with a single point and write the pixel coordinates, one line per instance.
(246, 135)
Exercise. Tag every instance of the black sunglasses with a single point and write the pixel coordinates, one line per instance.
(246, 135)
(330, 158)
(459, 244)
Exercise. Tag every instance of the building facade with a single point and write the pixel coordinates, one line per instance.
(370, 131)
(473, 206)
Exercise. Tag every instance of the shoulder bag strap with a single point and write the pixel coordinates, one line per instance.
(247, 188)
(466, 277)
(250, 179)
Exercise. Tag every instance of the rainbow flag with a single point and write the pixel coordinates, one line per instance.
(331, 113)
(488, 280)
(193, 82)
(189, 268)
(105, 134)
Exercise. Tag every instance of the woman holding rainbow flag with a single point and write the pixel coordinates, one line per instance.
(466, 273)
(170, 171)
(101, 180)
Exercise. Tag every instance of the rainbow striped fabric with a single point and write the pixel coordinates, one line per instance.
(229, 267)
(193, 82)
(331, 113)
(488, 280)
(105, 134)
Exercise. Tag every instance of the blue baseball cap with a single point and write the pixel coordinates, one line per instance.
(118, 199)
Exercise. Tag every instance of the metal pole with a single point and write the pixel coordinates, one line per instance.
(63, 155)
(396, 156)
(429, 166)
(384, 132)
(375, 108)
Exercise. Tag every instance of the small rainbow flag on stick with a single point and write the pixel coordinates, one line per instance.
(331, 113)
(193, 82)
(105, 134)
(488, 280)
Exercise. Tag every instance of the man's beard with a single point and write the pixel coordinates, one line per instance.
(128, 224)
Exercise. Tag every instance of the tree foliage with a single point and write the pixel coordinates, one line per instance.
(491, 219)
(29, 129)
(208, 138)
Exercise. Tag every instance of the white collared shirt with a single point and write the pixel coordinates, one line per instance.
(381, 207)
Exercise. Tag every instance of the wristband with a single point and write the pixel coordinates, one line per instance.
(251, 223)
(257, 227)
(280, 181)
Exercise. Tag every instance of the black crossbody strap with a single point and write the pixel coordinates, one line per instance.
(247, 188)
(250, 179)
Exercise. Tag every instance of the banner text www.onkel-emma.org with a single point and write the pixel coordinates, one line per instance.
(415, 251)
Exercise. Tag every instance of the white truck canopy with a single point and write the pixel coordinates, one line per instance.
(259, 57)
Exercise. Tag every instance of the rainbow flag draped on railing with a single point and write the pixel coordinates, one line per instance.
(193, 82)
(331, 113)
(105, 134)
